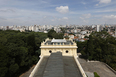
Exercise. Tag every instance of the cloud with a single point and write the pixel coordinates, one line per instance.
(65, 18)
(52, 20)
(1, 18)
(104, 1)
(106, 10)
(96, 4)
(44, 16)
(85, 18)
(7, 10)
(81, 18)
(110, 19)
(43, 1)
(62, 9)
(86, 15)
(110, 16)
(83, 3)
(12, 16)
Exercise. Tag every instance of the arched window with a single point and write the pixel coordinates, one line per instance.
(50, 51)
(66, 51)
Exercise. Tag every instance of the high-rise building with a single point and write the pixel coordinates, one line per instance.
(98, 28)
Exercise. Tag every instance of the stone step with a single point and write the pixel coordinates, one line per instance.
(70, 67)
(54, 67)
(57, 65)
(41, 68)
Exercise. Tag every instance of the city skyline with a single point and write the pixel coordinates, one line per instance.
(57, 12)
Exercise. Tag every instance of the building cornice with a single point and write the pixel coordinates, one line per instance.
(58, 47)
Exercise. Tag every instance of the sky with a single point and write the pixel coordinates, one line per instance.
(57, 12)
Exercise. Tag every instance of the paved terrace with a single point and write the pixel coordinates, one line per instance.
(58, 66)
(99, 67)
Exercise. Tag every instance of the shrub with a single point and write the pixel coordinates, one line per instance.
(96, 75)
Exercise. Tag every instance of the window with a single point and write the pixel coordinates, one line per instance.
(66, 51)
(50, 51)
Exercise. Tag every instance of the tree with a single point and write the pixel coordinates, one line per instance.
(96, 75)
(90, 47)
(13, 69)
(31, 40)
(17, 51)
(101, 46)
(86, 37)
(51, 33)
(63, 30)
(3, 60)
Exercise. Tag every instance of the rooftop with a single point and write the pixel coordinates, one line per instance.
(58, 42)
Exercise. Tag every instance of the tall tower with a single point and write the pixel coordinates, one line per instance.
(98, 28)
(109, 30)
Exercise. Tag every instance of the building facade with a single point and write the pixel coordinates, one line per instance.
(66, 46)
(98, 28)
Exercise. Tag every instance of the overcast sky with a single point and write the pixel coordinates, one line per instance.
(56, 12)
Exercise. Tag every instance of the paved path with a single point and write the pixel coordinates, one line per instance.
(98, 67)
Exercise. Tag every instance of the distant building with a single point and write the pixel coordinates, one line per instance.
(93, 26)
(98, 28)
(45, 31)
(82, 36)
(101, 28)
(115, 33)
(83, 32)
(22, 30)
(30, 28)
(75, 31)
(108, 29)
(65, 34)
(71, 36)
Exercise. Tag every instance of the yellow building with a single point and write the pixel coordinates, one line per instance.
(67, 46)
(58, 57)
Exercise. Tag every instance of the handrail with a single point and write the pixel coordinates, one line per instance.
(35, 69)
(80, 67)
